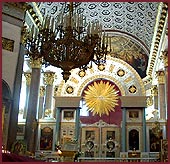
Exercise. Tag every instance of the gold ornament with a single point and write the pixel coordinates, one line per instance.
(101, 98)
(120, 72)
(132, 89)
(69, 89)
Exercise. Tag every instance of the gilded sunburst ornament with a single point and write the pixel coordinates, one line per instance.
(101, 98)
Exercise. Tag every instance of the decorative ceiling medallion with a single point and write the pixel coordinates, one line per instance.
(101, 67)
(132, 89)
(101, 98)
(69, 89)
(82, 73)
(120, 72)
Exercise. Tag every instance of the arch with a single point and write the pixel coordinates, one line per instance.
(6, 92)
(110, 73)
(87, 81)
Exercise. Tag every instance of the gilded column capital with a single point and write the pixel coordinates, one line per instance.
(35, 63)
(49, 78)
(28, 77)
(161, 77)
(42, 91)
(165, 57)
(55, 90)
(154, 90)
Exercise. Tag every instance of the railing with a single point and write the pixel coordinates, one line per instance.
(98, 159)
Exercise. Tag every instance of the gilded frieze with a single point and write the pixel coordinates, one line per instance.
(7, 44)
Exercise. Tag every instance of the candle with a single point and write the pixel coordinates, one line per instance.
(110, 45)
(107, 40)
(104, 38)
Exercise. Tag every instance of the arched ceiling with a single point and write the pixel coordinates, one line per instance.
(136, 19)
(135, 28)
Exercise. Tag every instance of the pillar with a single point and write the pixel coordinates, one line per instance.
(161, 99)
(77, 124)
(165, 60)
(144, 130)
(28, 82)
(55, 95)
(123, 135)
(58, 120)
(41, 102)
(31, 120)
(48, 81)
(161, 94)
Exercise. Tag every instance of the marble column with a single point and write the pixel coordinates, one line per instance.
(123, 135)
(165, 60)
(55, 95)
(41, 102)
(48, 81)
(28, 82)
(144, 130)
(77, 124)
(31, 120)
(58, 120)
(161, 94)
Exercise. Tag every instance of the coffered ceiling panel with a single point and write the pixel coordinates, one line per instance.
(134, 18)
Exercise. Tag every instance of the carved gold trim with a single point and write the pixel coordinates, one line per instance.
(7, 44)
(149, 101)
(154, 90)
(55, 90)
(161, 20)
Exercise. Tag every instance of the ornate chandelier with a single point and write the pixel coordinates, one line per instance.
(69, 42)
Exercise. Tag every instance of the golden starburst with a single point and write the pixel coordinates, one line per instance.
(101, 98)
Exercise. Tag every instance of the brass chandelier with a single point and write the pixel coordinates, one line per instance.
(68, 42)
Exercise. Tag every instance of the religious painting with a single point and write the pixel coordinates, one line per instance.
(68, 115)
(46, 139)
(110, 135)
(155, 141)
(90, 135)
(133, 140)
(133, 114)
